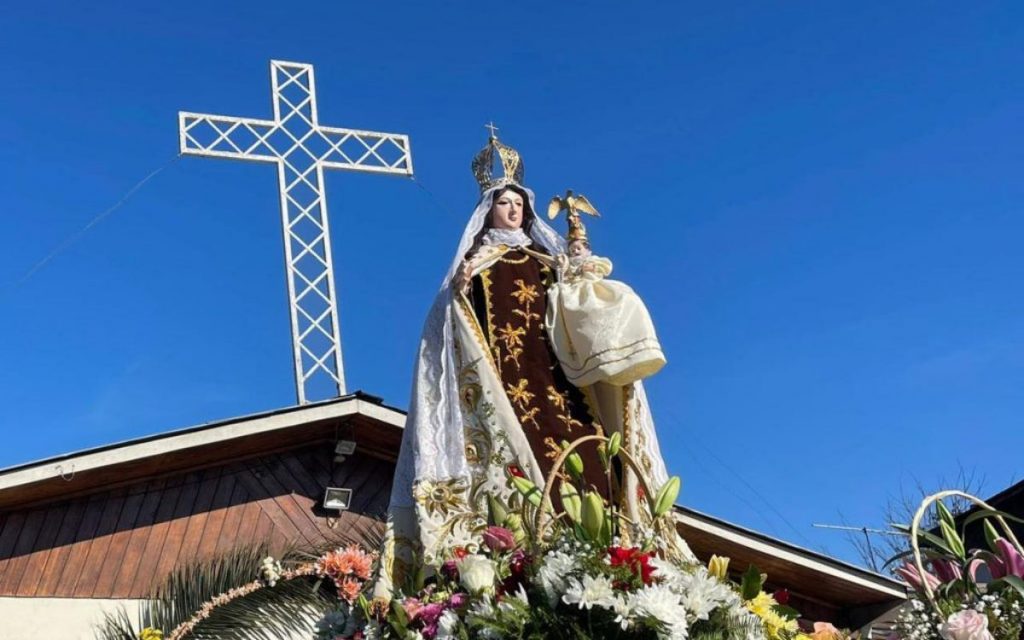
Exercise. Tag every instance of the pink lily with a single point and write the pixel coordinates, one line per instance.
(946, 570)
(1010, 562)
(909, 572)
(973, 566)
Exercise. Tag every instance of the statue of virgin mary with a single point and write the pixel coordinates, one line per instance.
(489, 399)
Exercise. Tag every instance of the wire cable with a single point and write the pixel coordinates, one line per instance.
(98, 218)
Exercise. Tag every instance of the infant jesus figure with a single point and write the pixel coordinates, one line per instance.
(600, 329)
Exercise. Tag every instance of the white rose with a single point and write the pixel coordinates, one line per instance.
(476, 573)
(966, 625)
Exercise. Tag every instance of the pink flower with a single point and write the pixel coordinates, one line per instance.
(412, 607)
(450, 570)
(946, 570)
(973, 566)
(966, 625)
(1012, 561)
(458, 600)
(909, 573)
(499, 539)
(428, 617)
(349, 589)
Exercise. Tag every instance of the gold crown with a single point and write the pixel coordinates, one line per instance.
(511, 164)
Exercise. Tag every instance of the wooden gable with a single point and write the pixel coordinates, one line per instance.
(115, 539)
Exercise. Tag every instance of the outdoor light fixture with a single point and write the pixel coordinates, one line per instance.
(343, 449)
(337, 499)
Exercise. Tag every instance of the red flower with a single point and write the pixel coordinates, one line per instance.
(781, 596)
(515, 470)
(639, 563)
(460, 552)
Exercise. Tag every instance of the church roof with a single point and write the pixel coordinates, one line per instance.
(378, 426)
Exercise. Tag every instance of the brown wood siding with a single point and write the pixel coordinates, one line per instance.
(118, 543)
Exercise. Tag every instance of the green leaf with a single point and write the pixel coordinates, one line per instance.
(786, 612)
(989, 513)
(751, 583)
(936, 542)
(400, 619)
(1011, 581)
(927, 553)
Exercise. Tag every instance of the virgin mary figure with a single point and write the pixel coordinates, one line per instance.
(489, 399)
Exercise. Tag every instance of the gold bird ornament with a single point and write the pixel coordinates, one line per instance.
(573, 205)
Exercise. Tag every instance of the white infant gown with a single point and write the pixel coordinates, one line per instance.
(600, 330)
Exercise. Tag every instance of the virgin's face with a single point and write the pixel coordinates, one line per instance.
(507, 210)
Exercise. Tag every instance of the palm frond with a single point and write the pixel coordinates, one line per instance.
(116, 625)
(268, 613)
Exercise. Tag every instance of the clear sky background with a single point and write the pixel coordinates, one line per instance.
(821, 203)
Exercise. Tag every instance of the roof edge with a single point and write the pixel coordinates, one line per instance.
(204, 434)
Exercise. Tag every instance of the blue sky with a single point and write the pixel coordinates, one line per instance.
(820, 203)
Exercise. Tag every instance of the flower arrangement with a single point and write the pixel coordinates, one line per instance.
(582, 571)
(962, 594)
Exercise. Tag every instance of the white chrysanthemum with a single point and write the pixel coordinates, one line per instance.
(448, 626)
(624, 612)
(482, 609)
(668, 572)
(659, 603)
(555, 570)
(701, 593)
(592, 591)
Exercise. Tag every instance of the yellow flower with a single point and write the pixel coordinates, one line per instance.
(718, 566)
(149, 633)
(762, 605)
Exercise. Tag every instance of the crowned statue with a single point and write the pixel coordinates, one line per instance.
(527, 347)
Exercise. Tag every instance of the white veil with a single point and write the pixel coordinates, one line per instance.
(433, 446)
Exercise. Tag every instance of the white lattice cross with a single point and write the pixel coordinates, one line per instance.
(301, 148)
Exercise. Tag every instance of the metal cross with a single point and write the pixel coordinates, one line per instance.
(490, 125)
(301, 148)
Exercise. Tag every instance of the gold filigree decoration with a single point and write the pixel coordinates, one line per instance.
(553, 449)
(513, 260)
(525, 294)
(520, 394)
(530, 417)
(440, 497)
(564, 405)
(512, 337)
